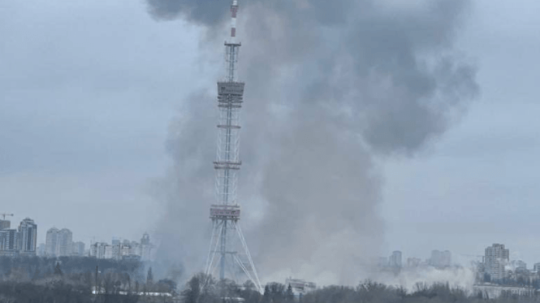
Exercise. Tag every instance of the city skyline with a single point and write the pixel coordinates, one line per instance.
(42, 232)
(42, 241)
(436, 258)
(18, 241)
(92, 151)
(495, 268)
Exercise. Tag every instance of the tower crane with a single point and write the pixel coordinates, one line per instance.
(6, 215)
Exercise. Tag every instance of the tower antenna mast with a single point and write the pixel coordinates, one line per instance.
(228, 253)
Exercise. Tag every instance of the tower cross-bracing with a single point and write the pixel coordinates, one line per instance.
(229, 254)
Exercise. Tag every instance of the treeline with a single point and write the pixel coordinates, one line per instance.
(31, 268)
(68, 291)
(69, 279)
(204, 289)
(82, 281)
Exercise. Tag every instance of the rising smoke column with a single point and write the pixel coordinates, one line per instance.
(329, 86)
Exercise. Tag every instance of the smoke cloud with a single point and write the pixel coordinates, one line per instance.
(329, 86)
(409, 279)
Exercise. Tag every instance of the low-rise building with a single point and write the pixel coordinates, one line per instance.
(300, 287)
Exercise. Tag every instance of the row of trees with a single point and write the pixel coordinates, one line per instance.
(23, 269)
(80, 280)
(205, 289)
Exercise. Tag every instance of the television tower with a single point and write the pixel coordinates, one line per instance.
(228, 253)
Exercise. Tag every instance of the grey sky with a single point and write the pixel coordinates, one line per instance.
(89, 89)
(85, 114)
(477, 184)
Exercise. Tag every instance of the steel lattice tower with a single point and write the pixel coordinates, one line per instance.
(228, 249)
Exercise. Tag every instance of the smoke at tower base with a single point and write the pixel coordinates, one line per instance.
(329, 86)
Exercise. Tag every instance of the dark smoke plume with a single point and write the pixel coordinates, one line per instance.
(329, 85)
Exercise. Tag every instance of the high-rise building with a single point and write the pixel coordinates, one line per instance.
(518, 265)
(116, 250)
(59, 243)
(135, 249)
(146, 248)
(8, 242)
(536, 267)
(108, 253)
(123, 249)
(5, 224)
(64, 245)
(41, 250)
(413, 262)
(78, 249)
(145, 240)
(27, 239)
(93, 250)
(496, 257)
(440, 259)
(51, 240)
(395, 259)
(99, 250)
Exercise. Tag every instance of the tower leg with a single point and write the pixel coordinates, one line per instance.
(223, 250)
(229, 252)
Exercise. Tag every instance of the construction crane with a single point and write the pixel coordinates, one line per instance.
(6, 215)
(474, 256)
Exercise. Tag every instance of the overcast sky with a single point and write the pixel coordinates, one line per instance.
(478, 184)
(90, 88)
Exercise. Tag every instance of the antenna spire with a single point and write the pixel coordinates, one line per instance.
(234, 11)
